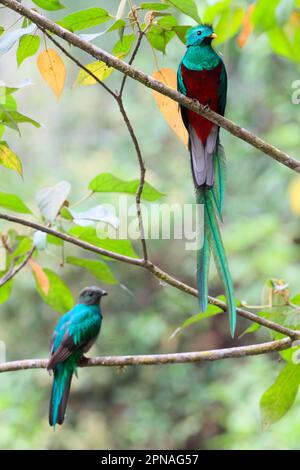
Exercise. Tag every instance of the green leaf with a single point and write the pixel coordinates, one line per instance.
(98, 68)
(229, 24)
(251, 329)
(28, 46)
(1, 30)
(211, 311)
(188, 7)
(5, 290)
(49, 5)
(84, 19)
(54, 240)
(59, 296)
(278, 399)
(124, 45)
(215, 10)
(181, 32)
(9, 159)
(153, 6)
(281, 44)
(8, 102)
(65, 213)
(295, 300)
(9, 39)
(2, 129)
(98, 268)
(19, 119)
(89, 234)
(13, 203)
(117, 25)
(22, 249)
(160, 35)
(108, 183)
(263, 17)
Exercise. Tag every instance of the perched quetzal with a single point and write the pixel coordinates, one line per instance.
(73, 336)
(202, 76)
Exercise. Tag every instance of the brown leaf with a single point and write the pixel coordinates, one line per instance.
(40, 275)
(247, 27)
(168, 107)
(52, 69)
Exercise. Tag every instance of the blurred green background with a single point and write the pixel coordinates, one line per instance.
(203, 406)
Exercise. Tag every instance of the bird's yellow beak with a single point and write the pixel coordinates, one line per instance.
(213, 36)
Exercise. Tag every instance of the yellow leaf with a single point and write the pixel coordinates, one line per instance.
(52, 69)
(169, 108)
(9, 159)
(247, 27)
(41, 276)
(98, 68)
(294, 191)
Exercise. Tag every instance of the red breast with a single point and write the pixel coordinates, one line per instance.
(204, 86)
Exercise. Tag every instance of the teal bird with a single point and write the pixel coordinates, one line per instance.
(202, 76)
(73, 336)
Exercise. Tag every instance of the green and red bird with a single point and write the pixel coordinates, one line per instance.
(73, 336)
(202, 76)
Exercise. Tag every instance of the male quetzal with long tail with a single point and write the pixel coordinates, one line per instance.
(202, 76)
(73, 336)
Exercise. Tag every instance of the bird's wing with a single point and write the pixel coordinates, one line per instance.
(181, 88)
(74, 334)
(222, 90)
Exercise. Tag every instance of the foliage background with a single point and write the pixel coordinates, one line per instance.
(205, 406)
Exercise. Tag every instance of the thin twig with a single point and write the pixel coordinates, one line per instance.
(155, 270)
(150, 82)
(13, 272)
(129, 126)
(135, 51)
(142, 177)
(160, 359)
(137, 149)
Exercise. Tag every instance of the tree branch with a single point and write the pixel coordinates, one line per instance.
(13, 272)
(155, 270)
(135, 51)
(159, 359)
(150, 82)
(142, 175)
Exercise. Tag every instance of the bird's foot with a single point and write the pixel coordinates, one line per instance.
(83, 361)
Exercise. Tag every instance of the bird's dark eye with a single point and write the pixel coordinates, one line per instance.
(90, 294)
(199, 33)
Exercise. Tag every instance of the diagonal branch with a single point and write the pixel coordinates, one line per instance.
(142, 175)
(150, 82)
(155, 270)
(160, 359)
(13, 272)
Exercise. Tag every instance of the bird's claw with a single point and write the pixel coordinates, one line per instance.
(83, 361)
